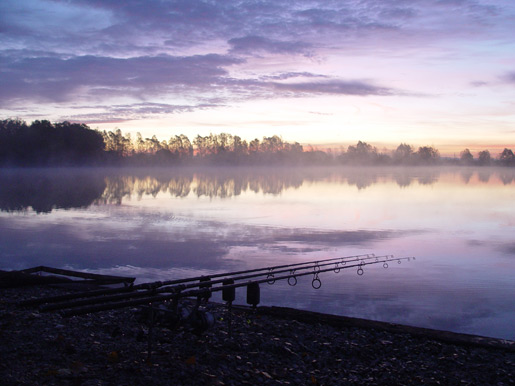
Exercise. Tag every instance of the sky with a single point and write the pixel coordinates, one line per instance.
(320, 72)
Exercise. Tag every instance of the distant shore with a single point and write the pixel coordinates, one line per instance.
(43, 143)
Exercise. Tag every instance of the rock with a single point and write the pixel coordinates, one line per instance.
(112, 348)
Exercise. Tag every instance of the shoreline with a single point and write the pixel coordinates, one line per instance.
(270, 345)
(348, 321)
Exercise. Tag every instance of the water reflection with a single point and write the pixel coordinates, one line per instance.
(507, 177)
(219, 183)
(466, 175)
(226, 183)
(46, 189)
(120, 187)
(159, 224)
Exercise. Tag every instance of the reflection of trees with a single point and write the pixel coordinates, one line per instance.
(275, 184)
(362, 180)
(403, 179)
(428, 177)
(44, 191)
(466, 175)
(507, 177)
(216, 187)
(180, 187)
(120, 187)
(211, 183)
(116, 189)
(484, 175)
(229, 182)
(235, 184)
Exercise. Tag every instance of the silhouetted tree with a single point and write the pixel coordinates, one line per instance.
(153, 145)
(240, 147)
(13, 136)
(79, 143)
(427, 155)
(271, 144)
(139, 146)
(165, 157)
(44, 143)
(118, 144)
(200, 143)
(507, 157)
(187, 148)
(181, 147)
(403, 154)
(484, 158)
(466, 157)
(223, 142)
(254, 146)
(362, 153)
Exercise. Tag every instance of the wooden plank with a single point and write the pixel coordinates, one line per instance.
(84, 275)
(10, 279)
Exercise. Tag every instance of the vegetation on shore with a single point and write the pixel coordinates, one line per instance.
(43, 143)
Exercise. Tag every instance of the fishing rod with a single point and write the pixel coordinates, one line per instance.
(158, 284)
(270, 275)
(228, 288)
(206, 282)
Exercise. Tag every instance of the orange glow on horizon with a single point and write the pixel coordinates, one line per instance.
(445, 150)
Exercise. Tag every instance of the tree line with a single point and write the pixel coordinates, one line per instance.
(43, 143)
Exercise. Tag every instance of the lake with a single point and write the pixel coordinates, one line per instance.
(159, 224)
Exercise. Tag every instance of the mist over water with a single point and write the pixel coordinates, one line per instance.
(160, 224)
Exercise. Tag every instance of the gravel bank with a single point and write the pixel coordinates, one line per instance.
(111, 348)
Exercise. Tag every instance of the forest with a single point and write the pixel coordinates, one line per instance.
(43, 143)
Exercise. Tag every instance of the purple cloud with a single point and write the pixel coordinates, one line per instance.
(121, 113)
(189, 51)
(509, 77)
(289, 75)
(138, 28)
(56, 79)
(257, 44)
(334, 87)
(478, 83)
(398, 13)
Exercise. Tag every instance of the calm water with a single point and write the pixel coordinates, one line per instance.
(162, 224)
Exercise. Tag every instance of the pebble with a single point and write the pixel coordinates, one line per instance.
(111, 347)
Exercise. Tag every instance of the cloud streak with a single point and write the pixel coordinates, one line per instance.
(55, 79)
(203, 79)
(252, 45)
(509, 77)
(337, 87)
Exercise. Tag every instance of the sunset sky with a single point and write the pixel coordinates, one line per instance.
(425, 72)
